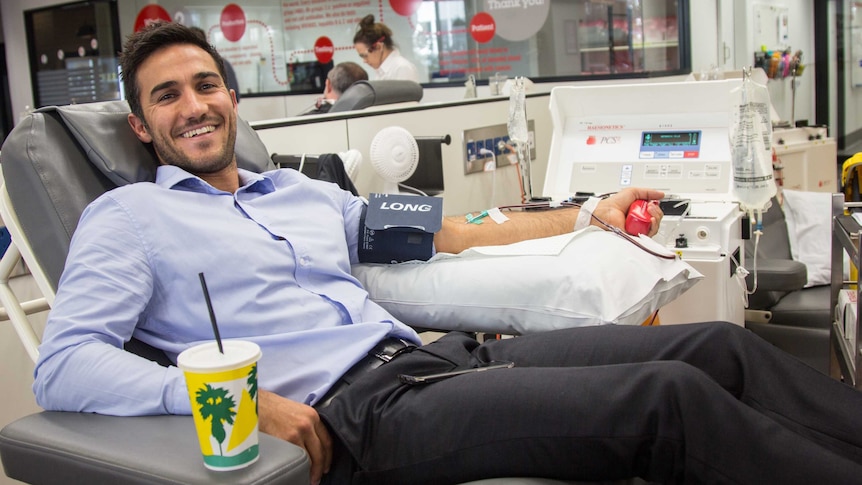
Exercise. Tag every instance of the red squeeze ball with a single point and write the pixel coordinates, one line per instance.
(638, 218)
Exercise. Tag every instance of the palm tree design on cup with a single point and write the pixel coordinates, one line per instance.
(252, 385)
(216, 404)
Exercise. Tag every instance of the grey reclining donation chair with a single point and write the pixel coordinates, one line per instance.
(363, 94)
(782, 311)
(54, 163)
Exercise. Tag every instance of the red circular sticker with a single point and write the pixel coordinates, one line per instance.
(323, 49)
(149, 14)
(232, 22)
(482, 27)
(405, 7)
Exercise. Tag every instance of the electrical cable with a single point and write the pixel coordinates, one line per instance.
(485, 151)
(301, 163)
(412, 189)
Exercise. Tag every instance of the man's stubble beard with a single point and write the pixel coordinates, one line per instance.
(169, 154)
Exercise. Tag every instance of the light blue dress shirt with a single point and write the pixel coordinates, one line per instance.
(276, 256)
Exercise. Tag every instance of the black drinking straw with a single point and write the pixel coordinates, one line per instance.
(212, 313)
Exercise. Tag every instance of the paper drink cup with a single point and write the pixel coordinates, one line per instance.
(223, 393)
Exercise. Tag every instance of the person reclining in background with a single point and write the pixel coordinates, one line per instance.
(697, 403)
(339, 78)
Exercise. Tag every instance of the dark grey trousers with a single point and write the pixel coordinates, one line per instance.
(698, 403)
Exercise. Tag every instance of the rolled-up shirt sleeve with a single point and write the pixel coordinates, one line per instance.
(353, 208)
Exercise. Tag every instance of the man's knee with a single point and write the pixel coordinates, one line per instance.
(677, 380)
(725, 332)
(723, 326)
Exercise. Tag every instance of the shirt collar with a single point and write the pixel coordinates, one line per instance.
(172, 177)
(389, 61)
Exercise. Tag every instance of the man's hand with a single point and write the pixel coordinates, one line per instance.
(613, 209)
(300, 425)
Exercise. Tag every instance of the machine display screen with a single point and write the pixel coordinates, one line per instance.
(653, 139)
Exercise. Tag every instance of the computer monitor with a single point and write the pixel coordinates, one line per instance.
(308, 76)
(428, 176)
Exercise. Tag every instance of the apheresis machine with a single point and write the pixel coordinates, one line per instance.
(675, 137)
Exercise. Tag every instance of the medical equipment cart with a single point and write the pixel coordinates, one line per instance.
(845, 332)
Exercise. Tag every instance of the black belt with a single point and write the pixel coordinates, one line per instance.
(385, 351)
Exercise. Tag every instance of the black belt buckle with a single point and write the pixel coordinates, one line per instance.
(390, 348)
(382, 353)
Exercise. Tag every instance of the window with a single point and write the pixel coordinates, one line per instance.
(72, 50)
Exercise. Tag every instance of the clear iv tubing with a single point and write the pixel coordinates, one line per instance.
(758, 231)
(523, 165)
(673, 230)
(609, 227)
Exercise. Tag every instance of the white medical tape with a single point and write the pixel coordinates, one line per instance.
(586, 213)
(497, 215)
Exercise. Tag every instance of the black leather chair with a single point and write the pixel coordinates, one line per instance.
(364, 94)
(782, 311)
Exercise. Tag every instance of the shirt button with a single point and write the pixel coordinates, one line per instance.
(304, 261)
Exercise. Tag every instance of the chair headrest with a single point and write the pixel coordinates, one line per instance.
(102, 129)
(362, 94)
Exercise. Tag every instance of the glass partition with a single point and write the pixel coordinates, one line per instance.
(573, 38)
(269, 41)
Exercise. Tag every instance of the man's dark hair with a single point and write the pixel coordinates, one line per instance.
(199, 31)
(142, 44)
(344, 74)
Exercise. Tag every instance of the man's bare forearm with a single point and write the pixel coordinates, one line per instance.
(457, 234)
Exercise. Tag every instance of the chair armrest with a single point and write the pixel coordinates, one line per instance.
(810, 345)
(83, 448)
(779, 275)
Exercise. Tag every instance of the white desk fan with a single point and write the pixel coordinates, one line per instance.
(394, 155)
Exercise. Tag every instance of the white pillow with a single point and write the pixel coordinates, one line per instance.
(589, 277)
(809, 226)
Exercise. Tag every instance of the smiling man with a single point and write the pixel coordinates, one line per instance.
(194, 114)
(700, 403)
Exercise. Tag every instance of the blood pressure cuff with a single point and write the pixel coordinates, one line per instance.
(396, 228)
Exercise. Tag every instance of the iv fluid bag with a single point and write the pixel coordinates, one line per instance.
(751, 146)
(519, 135)
(517, 125)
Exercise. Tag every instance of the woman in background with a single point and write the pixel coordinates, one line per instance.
(373, 43)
